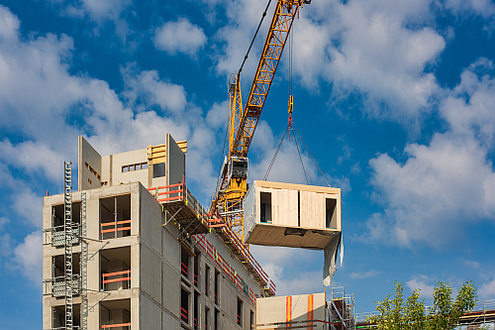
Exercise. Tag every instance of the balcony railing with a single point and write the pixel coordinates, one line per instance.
(115, 277)
(120, 325)
(114, 226)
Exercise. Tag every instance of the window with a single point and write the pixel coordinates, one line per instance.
(217, 287)
(184, 305)
(330, 214)
(266, 206)
(158, 170)
(115, 216)
(115, 269)
(196, 269)
(207, 317)
(184, 262)
(134, 167)
(239, 311)
(90, 182)
(251, 319)
(207, 280)
(216, 319)
(92, 171)
(195, 309)
(115, 314)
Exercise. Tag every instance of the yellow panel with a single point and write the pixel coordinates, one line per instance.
(182, 145)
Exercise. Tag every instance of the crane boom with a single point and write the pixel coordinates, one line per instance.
(272, 51)
(232, 185)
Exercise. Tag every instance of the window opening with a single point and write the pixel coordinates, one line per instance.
(207, 280)
(115, 314)
(158, 170)
(207, 317)
(251, 319)
(59, 316)
(217, 287)
(115, 216)
(216, 319)
(115, 269)
(331, 214)
(184, 305)
(184, 262)
(57, 229)
(266, 206)
(239, 311)
(196, 268)
(57, 284)
(195, 310)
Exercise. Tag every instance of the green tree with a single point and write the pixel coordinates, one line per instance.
(412, 314)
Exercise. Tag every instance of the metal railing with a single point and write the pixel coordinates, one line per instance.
(56, 235)
(56, 286)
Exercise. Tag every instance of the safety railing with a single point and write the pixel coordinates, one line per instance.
(183, 269)
(120, 325)
(123, 276)
(56, 286)
(231, 273)
(184, 315)
(56, 235)
(114, 226)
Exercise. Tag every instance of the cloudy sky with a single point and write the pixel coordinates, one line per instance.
(394, 99)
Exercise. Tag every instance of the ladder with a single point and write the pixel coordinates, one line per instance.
(84, 270)
(68, 238)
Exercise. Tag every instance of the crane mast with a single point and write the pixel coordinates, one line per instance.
(232, 186)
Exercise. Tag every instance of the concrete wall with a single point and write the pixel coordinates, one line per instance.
(176, 162)
(87, 154)
(296, 309)
(129, 158)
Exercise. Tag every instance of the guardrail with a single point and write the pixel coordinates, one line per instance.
(125, 276)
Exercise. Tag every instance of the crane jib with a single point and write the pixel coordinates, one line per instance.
(272, 51)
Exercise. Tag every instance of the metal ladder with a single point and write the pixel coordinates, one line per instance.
(68, 233)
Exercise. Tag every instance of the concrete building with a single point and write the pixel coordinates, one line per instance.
(142, 252)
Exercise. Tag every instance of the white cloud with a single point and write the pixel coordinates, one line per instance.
(180, 37)
(471, 263)
(363, 275)
(148, 85)
(487, 290)
(484, 8)
(9, 24)
(27, 257)
(421, 282)
(23, 154)
(444, 185)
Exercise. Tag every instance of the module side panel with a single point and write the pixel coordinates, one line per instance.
(89, 169)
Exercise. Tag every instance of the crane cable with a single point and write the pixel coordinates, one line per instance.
(254, 38)
(265, 177)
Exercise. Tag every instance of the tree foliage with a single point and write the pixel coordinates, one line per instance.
(412, 314)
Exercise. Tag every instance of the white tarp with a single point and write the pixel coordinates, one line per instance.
(331, 258)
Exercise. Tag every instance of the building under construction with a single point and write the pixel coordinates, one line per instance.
(133, 249)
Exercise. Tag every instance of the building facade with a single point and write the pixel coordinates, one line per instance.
(142, 252)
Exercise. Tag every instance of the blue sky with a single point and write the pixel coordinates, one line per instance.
(394, 98)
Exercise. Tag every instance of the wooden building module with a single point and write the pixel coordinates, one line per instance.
(292, 215)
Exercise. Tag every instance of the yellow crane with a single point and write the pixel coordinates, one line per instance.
(232, 186)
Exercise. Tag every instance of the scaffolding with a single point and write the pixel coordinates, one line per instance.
(68, 238)
(83, 263)
(341, 309)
